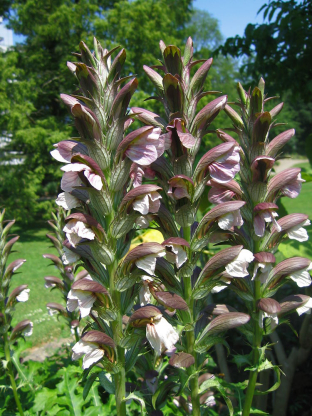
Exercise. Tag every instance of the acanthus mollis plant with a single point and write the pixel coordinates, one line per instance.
(8, 301)
(68, 270)
(101, 182)
(259, 189)
(182, 287)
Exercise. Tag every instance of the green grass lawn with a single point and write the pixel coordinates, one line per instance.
(33, 244)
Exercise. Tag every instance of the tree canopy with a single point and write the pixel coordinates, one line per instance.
(280, 49)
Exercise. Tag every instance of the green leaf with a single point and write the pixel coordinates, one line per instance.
(137, 397)
(88, 385)
(107, 385)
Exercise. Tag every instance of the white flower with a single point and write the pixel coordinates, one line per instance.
(69, 257)
(71, 177)
(298, 232)
(76, 230)
(147, 203)
(265, 269)
(67, 201)
(302, 277)
(23, 296)
(81, 299)
(148, 263)
(27, 332)
(218, 288)
(145, 294)
(306, 308)
(227, 221)
(238, 267)
(52, 311)
(273, 316)
(90, 350)
(161, 335)
(177, 254)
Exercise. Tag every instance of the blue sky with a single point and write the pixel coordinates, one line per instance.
(233, 15)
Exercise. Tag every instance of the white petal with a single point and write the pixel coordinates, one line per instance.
(181, 255)
(28, 330)
(226, 221)
(51, 311)
(57, 156)
(95, 180)
(147, 263)
(218, 289)
(145, 295)
(298, 233)
(245, 255)
(141, 204)
(72, 304)
(302, 278)
(75, 167)
(81, 348)
(166, 333)
(92, 357)
(69, 181)
(67, 201)
(306, 308)
(153, 338)
(69, 257)
(23, 296)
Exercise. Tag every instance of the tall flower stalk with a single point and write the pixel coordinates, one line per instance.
(184, 180)
(8, 300)
(262, 232)
(67, 270)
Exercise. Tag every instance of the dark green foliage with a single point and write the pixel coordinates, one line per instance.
(279, 50)
(33, 75)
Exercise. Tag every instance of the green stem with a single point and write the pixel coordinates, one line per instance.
(190, 337)
(11, 374)
(120, 378)
(257, 338)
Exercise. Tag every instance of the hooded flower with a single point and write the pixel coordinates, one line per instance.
(302, 277)
(219, 193)
(84, 292)
(231, 219)
(306, 308)
(225, 167)
(175, 250)
(137, 173)
(93, 346)
(149, 202)
(69, 257)
(288, 183)
(161, 335)
(238, 267)
(298, 232)
(143, 146)
(23, 296)
(181, 186)
(145, 295)
(269, 308)
(76, 230)
(263, 261)
(67, 201)
(264, 213)
(71, 178)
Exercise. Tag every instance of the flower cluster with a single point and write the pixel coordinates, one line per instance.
(155, 297)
